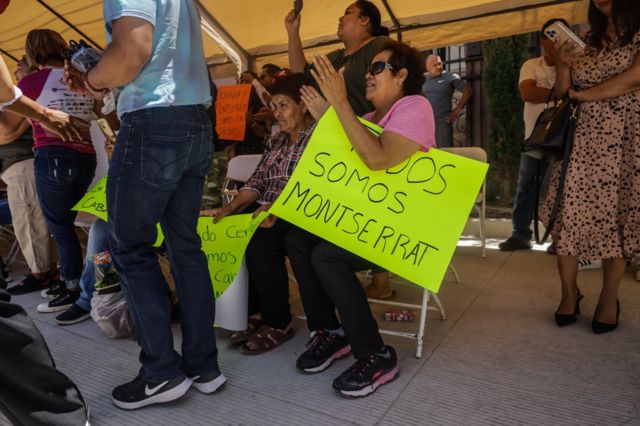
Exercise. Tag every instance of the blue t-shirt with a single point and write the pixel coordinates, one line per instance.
(176, 74)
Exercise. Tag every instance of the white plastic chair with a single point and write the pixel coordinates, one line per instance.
(479, 154)
(240, 169)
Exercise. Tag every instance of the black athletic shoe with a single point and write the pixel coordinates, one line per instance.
(367, 374)
(513, 243)
(322, 349)
(57, 288)
(60, 303)
(139, 393)
(209, 383)
(29, 284)
(73, 315)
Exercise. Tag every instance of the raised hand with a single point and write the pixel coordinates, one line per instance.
(331, 82)
(292, 22)
(314, 101)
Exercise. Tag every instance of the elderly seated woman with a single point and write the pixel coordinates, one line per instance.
(325, 272)
(269, 311)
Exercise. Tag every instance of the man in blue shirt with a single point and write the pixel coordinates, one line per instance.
(161, 157)
(439, 87)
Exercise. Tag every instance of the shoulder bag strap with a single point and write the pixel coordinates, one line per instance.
(568, 146)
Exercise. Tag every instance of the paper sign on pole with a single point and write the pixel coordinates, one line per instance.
(232, 105)
(407, 219)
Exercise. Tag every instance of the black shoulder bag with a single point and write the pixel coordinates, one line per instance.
(552, 139)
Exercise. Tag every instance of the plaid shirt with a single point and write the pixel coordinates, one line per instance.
(277, 164)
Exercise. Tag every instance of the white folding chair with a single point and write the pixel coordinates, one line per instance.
(423, 307)
(240, 169)
(479, 154)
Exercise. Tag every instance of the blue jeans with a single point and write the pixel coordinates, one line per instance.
(525, 200)
(62, 178)
(97, 243)
(5, 212)
(156, 175)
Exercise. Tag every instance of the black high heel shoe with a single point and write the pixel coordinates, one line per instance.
(562, 320)
(601, 327)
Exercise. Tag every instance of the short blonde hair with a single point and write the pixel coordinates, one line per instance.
(44, 47)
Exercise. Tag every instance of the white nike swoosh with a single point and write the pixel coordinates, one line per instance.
(150, 391)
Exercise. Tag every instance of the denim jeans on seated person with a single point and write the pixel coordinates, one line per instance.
(156, 175)
(97, 243)
(62, 179)
(525, 201)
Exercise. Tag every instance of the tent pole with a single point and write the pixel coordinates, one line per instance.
(69, 24)
(395, 21)
(9, 55)
(224, 40)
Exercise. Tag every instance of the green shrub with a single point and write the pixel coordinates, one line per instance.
(503, 58)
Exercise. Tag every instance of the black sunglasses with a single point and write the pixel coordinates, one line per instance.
(379, 66)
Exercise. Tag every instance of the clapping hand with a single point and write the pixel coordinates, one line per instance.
(314, 101)
(331, 82)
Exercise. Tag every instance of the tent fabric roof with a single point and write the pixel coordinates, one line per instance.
(258, 26)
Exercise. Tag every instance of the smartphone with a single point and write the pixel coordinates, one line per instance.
(297, 7)
(107, 131)
(559, 31)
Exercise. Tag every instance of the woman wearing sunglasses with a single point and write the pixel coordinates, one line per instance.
(362, 34)
(325, 272)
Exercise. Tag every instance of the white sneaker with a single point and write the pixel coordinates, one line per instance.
(584, 264)
(209, 383)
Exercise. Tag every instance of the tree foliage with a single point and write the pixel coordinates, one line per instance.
(503, 58)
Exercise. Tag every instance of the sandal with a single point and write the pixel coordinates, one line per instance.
(265, 339)
(240, 336)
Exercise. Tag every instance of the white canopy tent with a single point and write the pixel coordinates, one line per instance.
(247, 31)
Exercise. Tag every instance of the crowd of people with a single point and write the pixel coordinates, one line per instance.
(167, 161)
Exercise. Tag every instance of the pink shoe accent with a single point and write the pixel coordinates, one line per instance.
(386, 378)
(342, 352)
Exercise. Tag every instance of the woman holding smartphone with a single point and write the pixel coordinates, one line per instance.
(599, 215)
